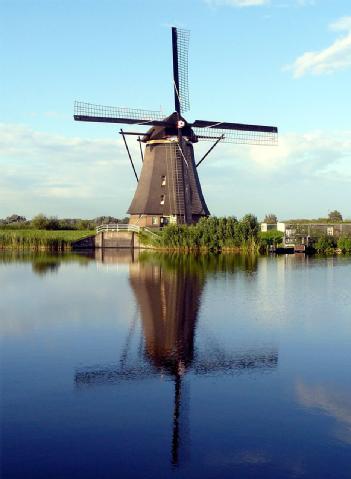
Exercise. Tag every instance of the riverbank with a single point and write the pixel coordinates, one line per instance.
(175, 238)
(41, 240)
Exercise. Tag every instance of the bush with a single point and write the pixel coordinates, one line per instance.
(325, 244)
(335, 216)
(270, 219)
(212, 234)
(344, 243)
(39, 222)
(42, 222)
(271, 238)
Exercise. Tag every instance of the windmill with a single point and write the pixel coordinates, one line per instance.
(168, 293)
(169, 189)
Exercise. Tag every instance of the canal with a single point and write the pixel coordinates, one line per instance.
(144, 365)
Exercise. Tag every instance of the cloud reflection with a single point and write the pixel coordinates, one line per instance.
(333, 403)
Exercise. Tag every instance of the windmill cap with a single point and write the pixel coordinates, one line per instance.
(172, 124)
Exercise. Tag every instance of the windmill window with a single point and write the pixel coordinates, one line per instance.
(155, 220)
(330, 231)
(163, 181)
(162, 202)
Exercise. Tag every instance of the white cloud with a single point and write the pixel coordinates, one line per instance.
(342, 24)
(65, 176)
(305, 3)
(313, 154)
(258, 3)
(239, 178)
(237, 3)
(62, 175)
(333, 58)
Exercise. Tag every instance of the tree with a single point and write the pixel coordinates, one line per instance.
(335, 216)
(53, 223)
(325, 244)
(42, 222)
(344, 243)
(15, 219)
(247, 228)
(270, 219)
(39, 222)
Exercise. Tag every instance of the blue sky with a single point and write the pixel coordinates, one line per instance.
(275, 62)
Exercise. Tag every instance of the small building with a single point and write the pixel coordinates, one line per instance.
(297, 234)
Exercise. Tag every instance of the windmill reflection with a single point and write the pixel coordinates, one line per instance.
(168, 298)
(168, 291)
(168, 295)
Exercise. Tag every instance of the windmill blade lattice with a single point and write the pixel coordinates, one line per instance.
(110, 114)
(183, 37)
(243, 137)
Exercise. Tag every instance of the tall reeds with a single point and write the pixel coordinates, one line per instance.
(212, 234)
(40, 239)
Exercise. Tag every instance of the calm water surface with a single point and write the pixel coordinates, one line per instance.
(175, 366)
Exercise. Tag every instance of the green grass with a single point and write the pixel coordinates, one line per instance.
(41, 239)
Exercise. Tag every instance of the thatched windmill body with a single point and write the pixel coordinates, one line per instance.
(169, 189)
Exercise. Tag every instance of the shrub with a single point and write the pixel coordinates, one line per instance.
(42, 222)
(271, 238)
(212, 234)
(325, 244)
(270, 218)
(344, 243)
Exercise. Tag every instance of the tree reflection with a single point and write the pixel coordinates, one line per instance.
(44, 263)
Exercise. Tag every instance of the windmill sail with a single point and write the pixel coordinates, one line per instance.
(236, 132)
(111, 114)
(180, 44)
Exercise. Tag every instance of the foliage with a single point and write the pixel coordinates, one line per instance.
(15, 219)
(271, 238)
(315, 221)
(344, 243)
(44, 222)
(212, 234)
(270, 219)
(335, 216)
(325, 244)
(40, 239)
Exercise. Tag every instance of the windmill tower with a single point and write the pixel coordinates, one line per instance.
(169, 190)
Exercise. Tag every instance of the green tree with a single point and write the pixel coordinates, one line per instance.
(335, 216)
(15, 219)
(344, 243)
(271, 238)
(270, 218)
(325, 244)
(247, 228)
(53, 223)
(42, 222)
(84, 225)
(39, 222)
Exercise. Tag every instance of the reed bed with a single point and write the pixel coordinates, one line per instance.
(212, 234)
(41, 240)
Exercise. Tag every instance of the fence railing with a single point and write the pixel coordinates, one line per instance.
(118, 227)
(124, 227)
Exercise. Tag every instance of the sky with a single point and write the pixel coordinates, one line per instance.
(285, 63)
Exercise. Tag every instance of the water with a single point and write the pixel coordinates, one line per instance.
(175, 366)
